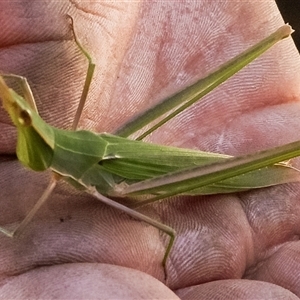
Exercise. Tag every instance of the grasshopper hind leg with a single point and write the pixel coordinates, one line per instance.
(19, 229)
(139, 216)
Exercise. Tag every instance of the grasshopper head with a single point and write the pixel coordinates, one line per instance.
(16, 106)
(35, 137)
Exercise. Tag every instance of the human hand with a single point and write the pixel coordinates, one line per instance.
(76, 246)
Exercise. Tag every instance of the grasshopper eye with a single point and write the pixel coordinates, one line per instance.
(25, 117)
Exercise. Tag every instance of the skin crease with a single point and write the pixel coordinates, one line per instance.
(242, 246)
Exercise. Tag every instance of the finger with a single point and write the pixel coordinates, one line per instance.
(236, 289)
(85, 281)
(281, 267)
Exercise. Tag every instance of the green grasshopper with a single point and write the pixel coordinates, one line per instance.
(107, 165)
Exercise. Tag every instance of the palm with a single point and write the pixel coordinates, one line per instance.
(250, 235)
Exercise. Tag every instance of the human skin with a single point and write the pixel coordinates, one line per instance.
(240, 246)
